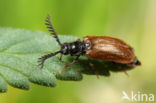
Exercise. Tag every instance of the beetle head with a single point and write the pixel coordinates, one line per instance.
(64, 49)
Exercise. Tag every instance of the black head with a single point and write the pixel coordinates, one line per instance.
(64, 49)
(74, 48)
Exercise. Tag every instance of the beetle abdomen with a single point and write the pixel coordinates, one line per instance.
(109, 49)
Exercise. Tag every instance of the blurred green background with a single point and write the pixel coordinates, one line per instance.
(131, 20)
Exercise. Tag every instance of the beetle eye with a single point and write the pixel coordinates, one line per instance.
(87, 44)
(73, 46)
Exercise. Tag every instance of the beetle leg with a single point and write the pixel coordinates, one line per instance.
(124, 71)
(93, 68)
(67, 65)
(60, 57)
(43, 58)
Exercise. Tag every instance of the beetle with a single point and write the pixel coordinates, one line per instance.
(98, 47)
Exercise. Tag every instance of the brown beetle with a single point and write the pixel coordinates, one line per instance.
(110, 49)
(98, 47)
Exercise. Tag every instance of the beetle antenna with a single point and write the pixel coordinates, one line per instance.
(43, 58)
(49, 25)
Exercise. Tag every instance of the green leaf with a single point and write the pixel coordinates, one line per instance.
(3, 86)
(19, 53)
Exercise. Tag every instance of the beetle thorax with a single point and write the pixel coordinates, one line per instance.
(74, 48)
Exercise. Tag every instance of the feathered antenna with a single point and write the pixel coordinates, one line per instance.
(43, 58)
(51, 29)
